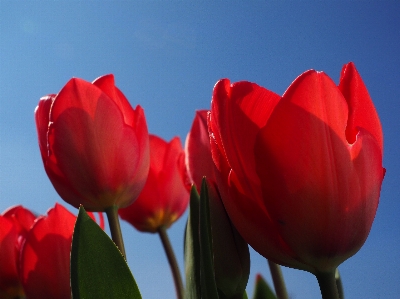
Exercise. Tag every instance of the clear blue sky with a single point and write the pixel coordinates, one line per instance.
(167, 58)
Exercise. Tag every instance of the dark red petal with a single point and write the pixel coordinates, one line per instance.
(164, 197)
(173, 176)
(45, 256)
(107, 85)
(80, 94)
(362, 112)
(22, 218)
(240, 111)
(145, 212)
(8, 265)
(198, 153)
(252, 221)
(42, 114)
(308, 175)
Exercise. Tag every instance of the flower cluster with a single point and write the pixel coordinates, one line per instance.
(35, 250)
(297, 177)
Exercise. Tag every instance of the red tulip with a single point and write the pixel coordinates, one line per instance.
(300, 175)
(94, 146)
(14, 224)
(165, 196)
(45, 262)
(45, 254)
(230, 251)
(199, 162)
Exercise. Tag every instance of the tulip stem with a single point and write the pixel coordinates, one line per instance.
(328, 285)
(339, 284)
(172, 261)
(115, 228)
(279, 282)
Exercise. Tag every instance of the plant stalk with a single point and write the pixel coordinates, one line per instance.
(162, 232)
(279, 282)
(327, 285)
(115, 228)
(339, 284)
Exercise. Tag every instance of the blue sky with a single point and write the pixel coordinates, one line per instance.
(167, 58)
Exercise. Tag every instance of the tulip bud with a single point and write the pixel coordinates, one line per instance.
(94, 146)
(230, 251)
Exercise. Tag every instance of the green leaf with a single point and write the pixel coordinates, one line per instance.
(192, 249)
(262, 289)
(98, 269)
(207, 276)
(199, 264)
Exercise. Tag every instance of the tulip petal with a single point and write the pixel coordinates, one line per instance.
(45, 255)
(197, 148)
(309, 180)
(42, 115)
(164, 197)
(107, 85)
(8, 237)
(362, 112)
(93, 148)
(238, 112)
(22, 218)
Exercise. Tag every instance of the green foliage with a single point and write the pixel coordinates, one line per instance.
(199, 265)
(262, 289)
(192, 248)
(98, 269)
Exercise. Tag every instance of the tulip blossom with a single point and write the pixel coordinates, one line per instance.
(45, 255)
(93, 144)
(300, 175)
(230, 251)
(9, 282)
(165, 196)
(14, 225)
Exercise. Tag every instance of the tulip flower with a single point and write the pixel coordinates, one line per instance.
(45, 266)
(9, 282)
(164, 197)
(93, 144)
(300, 175)
(45, 255)
(14, 225)
(230, 251)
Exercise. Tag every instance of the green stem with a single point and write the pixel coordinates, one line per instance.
(172, 261)
(279, 282)
(115, 228)
(339, 284)
(327, 285)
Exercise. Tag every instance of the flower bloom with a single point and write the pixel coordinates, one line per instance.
(45, 255)
(165, 196)
(93, 144)
(230, 252)
(14, 225)
(300, 175)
